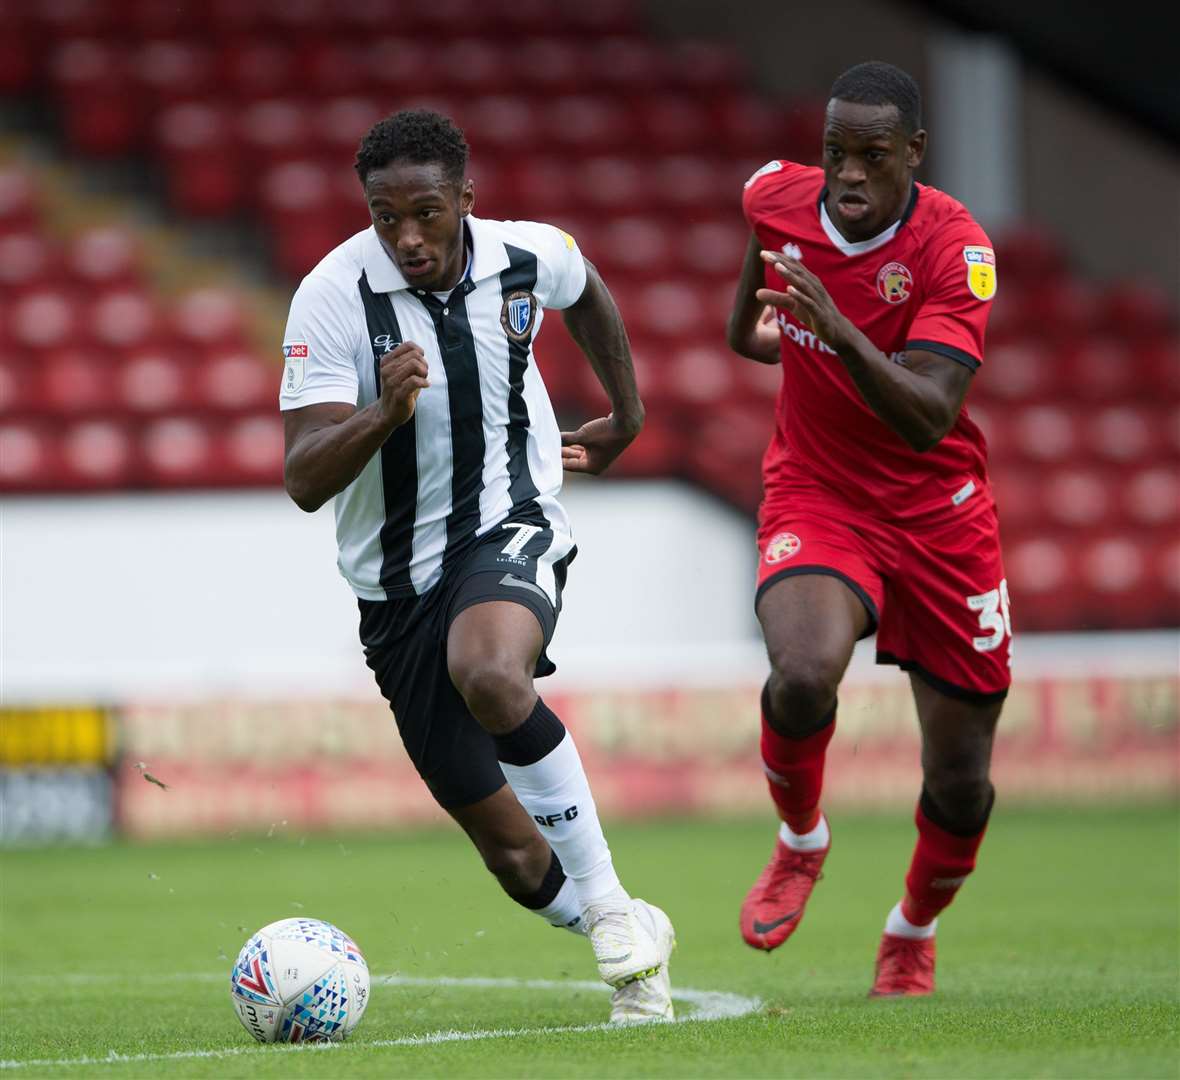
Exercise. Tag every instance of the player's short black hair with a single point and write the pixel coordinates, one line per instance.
(417, 135)
(877, 83)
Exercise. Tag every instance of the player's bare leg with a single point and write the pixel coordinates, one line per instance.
(492, 651)
(811, 623)
(952, 816)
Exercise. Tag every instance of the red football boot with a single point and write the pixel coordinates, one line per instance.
(905, 967)
(774, 906)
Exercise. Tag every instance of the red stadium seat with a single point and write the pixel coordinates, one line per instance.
(550, 66)
(1101, 369)
(104, 257)
(687, 186)
(637, 247)
(1115, 570)
(97, 454)
(583, 124)
(172, 70)
(1046, 433)
(1161, 367)
(253, 450)
(1078, 498)
(669, 308)
(1042, 581)
(180, 451)
(275, 130)
(1152, 498)
(231, 381)
(19, 201)
(328, 67)
(1137, 310)
(28, 457)
(627, 64)
(19, 390)
(667, 123)
(210, 316)
(44, 319)
(72, 383)
(27, 261)
(123, 319)
(255, 69)
(199, 150)
(704, 68)
(152, 382)
(1027, 254)
(714, 249)
(1122, 434)
(1017, 372)
(1019, 501)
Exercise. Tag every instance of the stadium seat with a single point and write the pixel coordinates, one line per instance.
(122, 319)
(27, 261)
(234, 381)
(97, 453)
(152, 382)
(28, 457)
(1045, 434)
(1151, 498)
(1076, 498)
(253, 450)
(1042, 582)
(104, 257)
(181, 451)
(1017, 372)
(72, 383)
(44, 319)
(1101, 370)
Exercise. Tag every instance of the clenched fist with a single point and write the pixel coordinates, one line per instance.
(404, 375)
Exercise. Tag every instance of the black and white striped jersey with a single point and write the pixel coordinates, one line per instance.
(483, 443)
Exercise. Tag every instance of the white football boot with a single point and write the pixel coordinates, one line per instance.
(648, 999)
(623, 946)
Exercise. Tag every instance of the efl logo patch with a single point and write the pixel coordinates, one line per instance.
(518, 315)
(294, 365)
(894, 283)
(782, 547)
(981, 271)
(769, 167)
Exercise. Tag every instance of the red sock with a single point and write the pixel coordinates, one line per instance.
(795, 773)
(942, 860)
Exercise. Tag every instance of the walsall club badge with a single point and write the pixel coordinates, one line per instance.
(782, 547)
(518, 315)
(894, 283)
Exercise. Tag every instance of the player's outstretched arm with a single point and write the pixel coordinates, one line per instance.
(918, 397)
(752, 331)
(328, 445)
(595, 324)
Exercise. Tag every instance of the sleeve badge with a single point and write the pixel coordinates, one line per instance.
(981, 271)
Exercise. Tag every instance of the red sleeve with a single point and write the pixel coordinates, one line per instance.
(953, 317)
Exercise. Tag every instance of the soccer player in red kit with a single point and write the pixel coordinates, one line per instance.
(873, 290)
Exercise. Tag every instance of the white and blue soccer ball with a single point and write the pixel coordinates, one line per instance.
(300, 980)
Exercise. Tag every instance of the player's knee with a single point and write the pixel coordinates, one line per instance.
(513, 866)
(495, 690)
(961, 793)
(801, 693)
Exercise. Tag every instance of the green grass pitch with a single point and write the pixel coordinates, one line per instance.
(1061, 957)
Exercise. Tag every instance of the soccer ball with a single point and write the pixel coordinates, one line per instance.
(300, 980)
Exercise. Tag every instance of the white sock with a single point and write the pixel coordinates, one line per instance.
(565, 911)
(899, 926)
(556, 794)
(816, 840)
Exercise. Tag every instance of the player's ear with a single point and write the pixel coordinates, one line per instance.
(467, 197)
(915, 149)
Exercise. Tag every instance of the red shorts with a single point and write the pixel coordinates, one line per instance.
(936, 595)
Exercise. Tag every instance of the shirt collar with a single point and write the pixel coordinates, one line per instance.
(488, 257)
(860, 247)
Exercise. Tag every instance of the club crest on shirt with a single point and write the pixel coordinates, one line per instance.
(518, 314)
(981, 271)
(782, 547)
(294, 365)
(894, 283)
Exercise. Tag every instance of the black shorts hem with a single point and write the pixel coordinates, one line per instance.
(459, 796)
(960, 693)
(826, 571)
(476, 590)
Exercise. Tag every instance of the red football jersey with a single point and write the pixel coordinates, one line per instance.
(924, 283)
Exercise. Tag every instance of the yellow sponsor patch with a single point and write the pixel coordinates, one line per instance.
(569, 240)
(981, 271)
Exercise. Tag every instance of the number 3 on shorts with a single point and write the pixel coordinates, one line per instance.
(994, 617)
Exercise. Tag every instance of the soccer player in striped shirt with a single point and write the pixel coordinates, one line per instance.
(411, 394)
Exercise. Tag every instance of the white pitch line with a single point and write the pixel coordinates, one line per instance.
(710, 1005)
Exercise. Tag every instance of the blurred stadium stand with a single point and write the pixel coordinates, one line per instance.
(251, 109)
